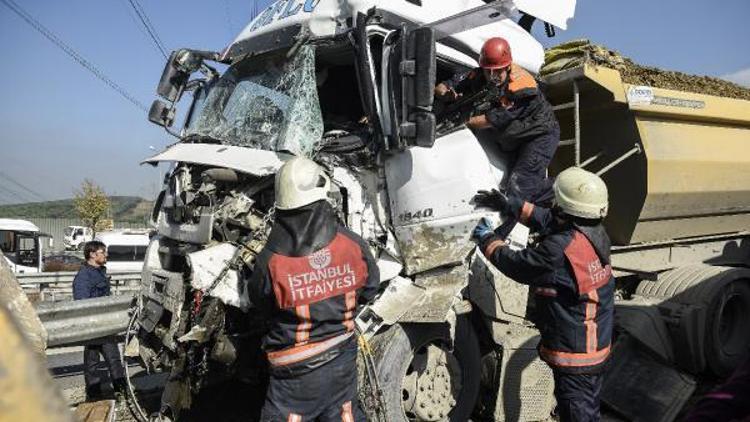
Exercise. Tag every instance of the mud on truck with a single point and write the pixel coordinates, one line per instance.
(350, 85)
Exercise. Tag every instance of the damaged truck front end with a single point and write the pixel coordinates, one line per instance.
(358, 100)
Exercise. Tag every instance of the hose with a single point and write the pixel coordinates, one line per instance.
(133, 405)
(372, 376)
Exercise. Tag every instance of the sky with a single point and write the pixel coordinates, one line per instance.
(60, 124)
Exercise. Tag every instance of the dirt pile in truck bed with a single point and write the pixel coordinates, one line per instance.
(575, 53)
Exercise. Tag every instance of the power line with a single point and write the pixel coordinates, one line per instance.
(71, 52)
(19, 197)
(135, 20)
(15, 182)
(149, 27)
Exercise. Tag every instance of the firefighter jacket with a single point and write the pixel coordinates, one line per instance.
(520, 113)
(569, 272)
(308, 281)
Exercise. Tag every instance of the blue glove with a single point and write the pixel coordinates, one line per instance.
(482, 230)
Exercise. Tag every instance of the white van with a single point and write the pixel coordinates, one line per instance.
(22, 245)
(75, 237)
(125, 249)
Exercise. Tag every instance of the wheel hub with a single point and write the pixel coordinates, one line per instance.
(431, 385)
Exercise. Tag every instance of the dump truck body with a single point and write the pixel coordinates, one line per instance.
(690, 176)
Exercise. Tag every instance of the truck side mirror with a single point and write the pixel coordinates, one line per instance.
(173, 78)
(418, 74)
(161, 114)
(420, 83)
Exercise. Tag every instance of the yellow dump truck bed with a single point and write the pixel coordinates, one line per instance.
(685, 169)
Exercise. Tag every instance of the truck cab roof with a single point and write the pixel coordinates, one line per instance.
(327, 18)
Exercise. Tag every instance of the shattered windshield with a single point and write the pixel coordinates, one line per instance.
(269, 103)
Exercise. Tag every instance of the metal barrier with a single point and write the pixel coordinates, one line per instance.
(55, 286)
(75, 322)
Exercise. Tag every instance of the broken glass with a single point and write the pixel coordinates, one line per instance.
(270, 104)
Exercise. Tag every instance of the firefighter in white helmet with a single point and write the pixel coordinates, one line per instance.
(569, 272)
(308, 281)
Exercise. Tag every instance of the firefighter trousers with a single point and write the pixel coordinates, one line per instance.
(326, 394)
(528, 179)
(577, 396)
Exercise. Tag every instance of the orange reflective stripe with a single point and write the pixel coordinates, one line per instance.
(293, 417)
(557, 358)
(589, 272)
(351, 303)
(299, 353)
(526, 210)
(346, 412)
(304, 326)
(592, 305)
(490, 249)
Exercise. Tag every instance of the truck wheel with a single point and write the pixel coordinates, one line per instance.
(725, 294)
(421, 378)
(81, 246)
(727, 327)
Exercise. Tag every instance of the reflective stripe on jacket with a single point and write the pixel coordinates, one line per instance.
(571, 278)
(309, 289)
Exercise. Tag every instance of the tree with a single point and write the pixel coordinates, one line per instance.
(92, 205)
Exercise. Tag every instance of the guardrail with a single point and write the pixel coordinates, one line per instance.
(74, 322)
(54, 286)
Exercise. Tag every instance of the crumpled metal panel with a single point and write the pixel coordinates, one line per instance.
(442, 289)
(396, 300)
(208, 265)
(426, 246)
(496, 295)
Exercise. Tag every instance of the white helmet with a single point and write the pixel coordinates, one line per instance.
(581, 193)
(300, 182)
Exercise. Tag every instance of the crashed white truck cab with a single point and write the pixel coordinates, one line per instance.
(349, 84)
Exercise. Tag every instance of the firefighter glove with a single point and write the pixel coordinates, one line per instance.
(493, 199)
(482, 230)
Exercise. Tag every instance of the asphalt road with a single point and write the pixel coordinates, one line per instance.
(66, 366)
(228, 402)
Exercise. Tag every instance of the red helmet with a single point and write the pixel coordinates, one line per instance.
(495, 54)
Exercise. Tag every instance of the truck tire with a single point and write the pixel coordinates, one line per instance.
(421, 378)
(725, 294)
(728, 327)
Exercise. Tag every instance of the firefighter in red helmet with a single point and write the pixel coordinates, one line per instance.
(523, 120)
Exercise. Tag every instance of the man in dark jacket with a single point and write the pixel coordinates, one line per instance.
(522, 118)
(569, 272)
(308, 281)
(90, 282)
